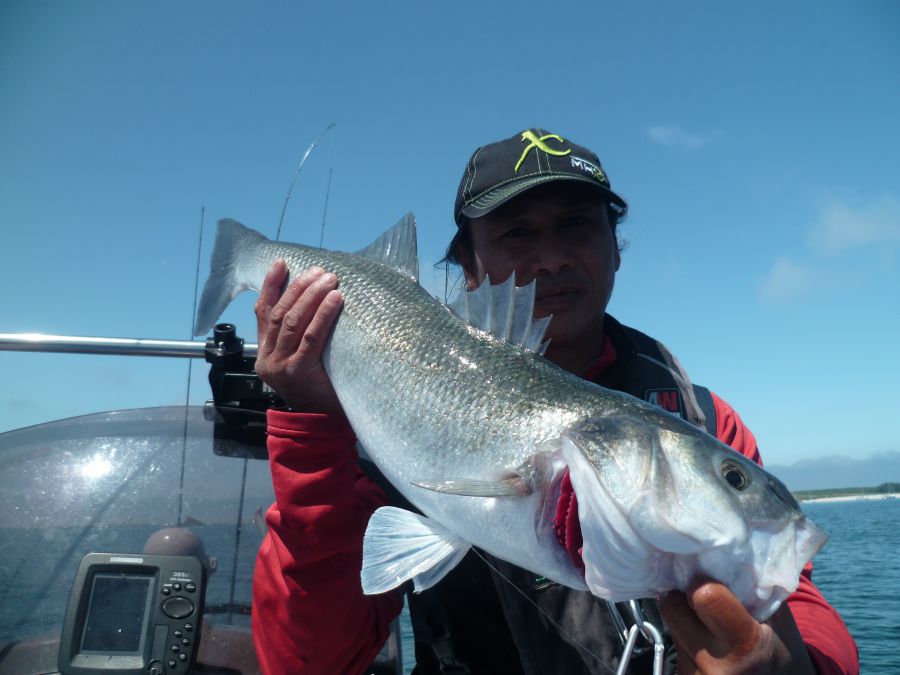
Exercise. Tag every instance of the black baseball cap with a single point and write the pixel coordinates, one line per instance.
(499, 171)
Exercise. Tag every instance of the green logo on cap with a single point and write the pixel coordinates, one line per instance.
(535, 142)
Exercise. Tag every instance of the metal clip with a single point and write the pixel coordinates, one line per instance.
(640, 626)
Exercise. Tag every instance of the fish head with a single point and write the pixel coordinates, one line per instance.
(661, 503)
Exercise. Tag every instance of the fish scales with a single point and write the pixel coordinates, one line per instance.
(434, 399)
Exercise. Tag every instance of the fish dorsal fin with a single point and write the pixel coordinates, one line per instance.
(505, 311)
(397, 248)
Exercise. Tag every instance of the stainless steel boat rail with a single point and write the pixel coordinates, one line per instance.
(73, 344)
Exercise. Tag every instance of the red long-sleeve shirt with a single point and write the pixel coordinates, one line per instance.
(309, 612)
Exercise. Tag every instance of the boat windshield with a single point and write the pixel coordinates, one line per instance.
(120, 482)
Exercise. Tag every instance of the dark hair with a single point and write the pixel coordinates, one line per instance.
(461, 244)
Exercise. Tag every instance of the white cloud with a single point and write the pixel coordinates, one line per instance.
(787, 280)
(834, 255)
(842, 228)
(675, 137)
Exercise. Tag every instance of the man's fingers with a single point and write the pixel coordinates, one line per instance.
(269, 294)
(271, 290)
(724, 615)
(273, 316)
(709, 613)
(315, 337)
(274, 283)
(686, 665)
(714, 633)
(689, 632)
(296, 310)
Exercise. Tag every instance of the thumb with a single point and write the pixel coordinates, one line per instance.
(685, 664)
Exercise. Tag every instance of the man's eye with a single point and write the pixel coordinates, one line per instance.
(579, 221)
(514, 233)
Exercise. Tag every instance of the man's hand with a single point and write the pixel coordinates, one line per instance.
(715, 634)
(293, 329)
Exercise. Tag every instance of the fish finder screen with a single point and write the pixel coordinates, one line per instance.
(116, 613)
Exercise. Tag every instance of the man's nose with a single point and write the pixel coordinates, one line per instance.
(551, 257)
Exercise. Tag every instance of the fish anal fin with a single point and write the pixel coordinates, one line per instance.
(400, 546)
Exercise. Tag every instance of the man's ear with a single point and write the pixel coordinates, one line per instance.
(471, 279)
(467, 262)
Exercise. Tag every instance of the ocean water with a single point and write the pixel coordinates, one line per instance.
(858, 571)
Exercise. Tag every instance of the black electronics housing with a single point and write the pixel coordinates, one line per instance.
(240, 398)
(133, 614)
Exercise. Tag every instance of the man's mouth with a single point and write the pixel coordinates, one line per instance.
(557, 298)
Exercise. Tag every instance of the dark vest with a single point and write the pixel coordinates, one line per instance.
(483, 617)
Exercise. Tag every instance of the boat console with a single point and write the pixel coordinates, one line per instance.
(133, 614)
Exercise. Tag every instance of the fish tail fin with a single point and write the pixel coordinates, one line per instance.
(229, 275)
(400, 545)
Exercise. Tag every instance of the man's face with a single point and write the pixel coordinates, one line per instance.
(559, 234)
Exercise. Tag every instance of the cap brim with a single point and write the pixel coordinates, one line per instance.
(495, 198)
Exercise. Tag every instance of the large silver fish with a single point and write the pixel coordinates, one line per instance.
(463, 416)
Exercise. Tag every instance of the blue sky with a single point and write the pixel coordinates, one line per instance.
(756, 144)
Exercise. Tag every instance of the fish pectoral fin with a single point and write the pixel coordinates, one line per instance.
(514, 486)
(400, 545)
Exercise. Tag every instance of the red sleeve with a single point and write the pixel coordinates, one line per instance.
(829, 643)
(309, 612)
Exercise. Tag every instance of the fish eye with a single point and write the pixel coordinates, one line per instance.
(735, 476)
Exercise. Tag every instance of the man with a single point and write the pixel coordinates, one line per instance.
(542, 207)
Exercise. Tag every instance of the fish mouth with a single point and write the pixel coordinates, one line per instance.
(779, 555)
(810, 538)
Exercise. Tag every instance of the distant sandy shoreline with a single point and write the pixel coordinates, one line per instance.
(852, 498)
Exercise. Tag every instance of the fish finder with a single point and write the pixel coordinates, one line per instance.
(133, 614)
